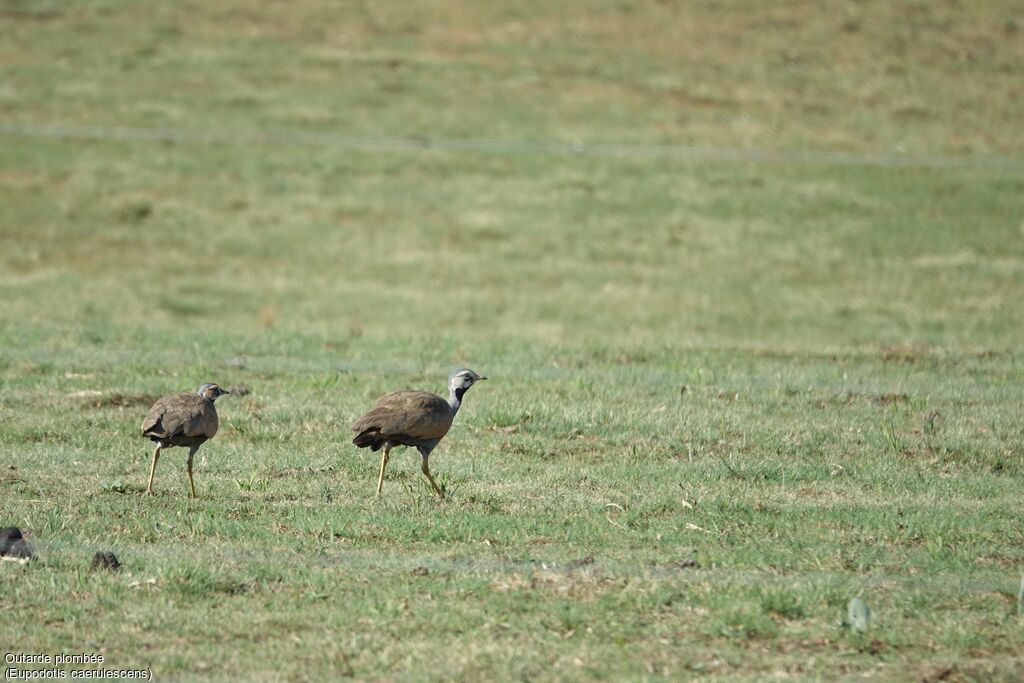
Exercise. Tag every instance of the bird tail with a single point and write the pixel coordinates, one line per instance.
(370, 438)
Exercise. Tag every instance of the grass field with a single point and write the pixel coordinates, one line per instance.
(725, 397)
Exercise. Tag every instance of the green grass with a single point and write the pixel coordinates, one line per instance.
(724, 397)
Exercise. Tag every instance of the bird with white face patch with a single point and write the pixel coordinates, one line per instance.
(418, 419)
(185, 419)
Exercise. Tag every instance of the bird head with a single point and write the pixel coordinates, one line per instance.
(462, 379)
(211, 392)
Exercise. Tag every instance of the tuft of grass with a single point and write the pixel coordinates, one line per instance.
(745, 624)
(199, 581)
(892, 437)
(782, 603)
(254, 483)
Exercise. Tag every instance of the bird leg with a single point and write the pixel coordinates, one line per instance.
(152, 470)
(383, 463)
(426, 471)
(191, 484)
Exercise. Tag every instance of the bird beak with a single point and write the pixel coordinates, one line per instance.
(480, 378)
(224, 391)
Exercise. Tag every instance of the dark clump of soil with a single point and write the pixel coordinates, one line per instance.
(105, 559)
(13, 544)
(678, 565)
(580, 563)
(886, 399)
(119, 400)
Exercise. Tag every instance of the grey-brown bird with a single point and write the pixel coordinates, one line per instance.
(413, 418)
(184, 419)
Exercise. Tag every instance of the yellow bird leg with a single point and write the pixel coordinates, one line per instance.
(152, 470)
(426, 471)
(191, 484)
(383, 464)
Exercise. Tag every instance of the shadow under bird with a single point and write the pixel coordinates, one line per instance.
(413, 418)
(185, 419)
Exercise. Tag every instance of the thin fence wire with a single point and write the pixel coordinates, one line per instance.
(206, 136)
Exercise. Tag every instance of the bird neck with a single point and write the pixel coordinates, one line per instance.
(455, 398)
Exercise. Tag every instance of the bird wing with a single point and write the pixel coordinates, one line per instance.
(182, 414)
(419, 414)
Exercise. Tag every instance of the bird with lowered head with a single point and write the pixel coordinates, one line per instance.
(409, 417)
